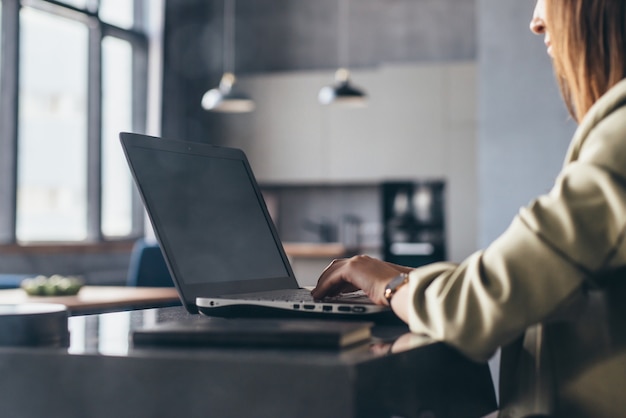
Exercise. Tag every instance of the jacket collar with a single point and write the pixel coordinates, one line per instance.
(609, 102)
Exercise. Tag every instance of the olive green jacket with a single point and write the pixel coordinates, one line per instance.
(549, 288)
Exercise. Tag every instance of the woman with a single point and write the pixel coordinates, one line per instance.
(555, 252)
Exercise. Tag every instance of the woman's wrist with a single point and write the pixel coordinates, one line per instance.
(394, 285)
(401, 302)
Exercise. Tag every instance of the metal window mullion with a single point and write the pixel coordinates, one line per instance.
(94, 134)
(126, 34)
(9, 99)
(59, 8)
(139, 119)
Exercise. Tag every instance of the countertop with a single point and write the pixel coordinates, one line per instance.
(98, 299)
(315, 250)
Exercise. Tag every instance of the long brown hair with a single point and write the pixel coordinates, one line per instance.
(589, 49)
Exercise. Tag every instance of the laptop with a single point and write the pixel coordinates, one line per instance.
(217, 237)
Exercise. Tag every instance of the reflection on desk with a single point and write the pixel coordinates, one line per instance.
(100, 365)
(109, 333)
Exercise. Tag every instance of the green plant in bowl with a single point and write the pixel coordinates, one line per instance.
(55, 285)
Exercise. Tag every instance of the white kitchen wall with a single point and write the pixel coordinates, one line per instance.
(420, 123)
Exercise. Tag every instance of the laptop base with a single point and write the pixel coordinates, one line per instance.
(256, 311)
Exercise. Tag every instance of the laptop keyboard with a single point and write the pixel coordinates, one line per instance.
(288, 295)
(299, 295)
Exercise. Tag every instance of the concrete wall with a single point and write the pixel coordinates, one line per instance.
(523, 127)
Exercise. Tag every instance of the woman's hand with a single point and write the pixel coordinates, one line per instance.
(360, 272)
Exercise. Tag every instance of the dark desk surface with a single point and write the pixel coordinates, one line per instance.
(102, 375)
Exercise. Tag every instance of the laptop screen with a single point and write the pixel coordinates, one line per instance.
(208, 215)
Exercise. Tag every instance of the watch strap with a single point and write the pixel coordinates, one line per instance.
(395, 284)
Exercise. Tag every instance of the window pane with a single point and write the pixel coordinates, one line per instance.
(51, 202)
(117, 12)
(117, 116)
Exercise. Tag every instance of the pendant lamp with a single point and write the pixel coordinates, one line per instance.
(226, 98)
(342, 91)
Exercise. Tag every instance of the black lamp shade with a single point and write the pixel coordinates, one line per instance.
(342, 92)
(226, 98)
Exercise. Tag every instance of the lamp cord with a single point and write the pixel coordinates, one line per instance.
(229, 36)
(343, 26)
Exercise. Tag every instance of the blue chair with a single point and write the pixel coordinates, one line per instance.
(147, 266)
(13, 281)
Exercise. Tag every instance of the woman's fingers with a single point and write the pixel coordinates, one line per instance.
(331, 281)
(350, 274)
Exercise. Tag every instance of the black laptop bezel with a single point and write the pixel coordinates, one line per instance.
(189, 292)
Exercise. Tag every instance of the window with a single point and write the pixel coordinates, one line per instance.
(52, 112)
(78, 72)
(117, 191)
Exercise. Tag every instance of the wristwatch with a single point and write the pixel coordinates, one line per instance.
(395, 284)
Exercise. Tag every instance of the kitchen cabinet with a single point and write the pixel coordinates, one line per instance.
(404, 131)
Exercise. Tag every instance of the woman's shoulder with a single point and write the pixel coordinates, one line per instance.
(606, 117)
(604, 142)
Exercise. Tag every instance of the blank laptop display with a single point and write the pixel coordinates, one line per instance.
(215, 232)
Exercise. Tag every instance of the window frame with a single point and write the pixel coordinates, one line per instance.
(9, 107)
